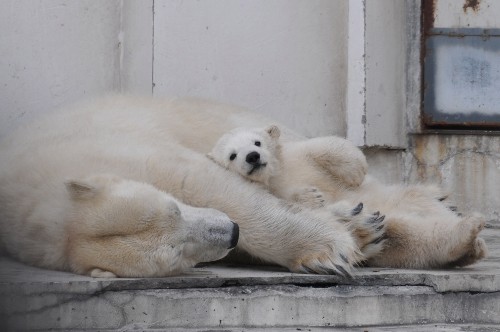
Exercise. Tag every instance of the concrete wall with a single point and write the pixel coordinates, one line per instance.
(283, 58)
(289, 59)
(350, 68)
(53, 52)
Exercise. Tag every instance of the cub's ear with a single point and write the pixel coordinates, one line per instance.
(79, 189)
(273, 131)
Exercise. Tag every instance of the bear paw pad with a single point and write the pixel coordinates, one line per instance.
(309, 197)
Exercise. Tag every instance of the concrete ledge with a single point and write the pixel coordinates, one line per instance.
(254, 298)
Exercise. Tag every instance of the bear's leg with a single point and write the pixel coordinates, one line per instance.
(332, 155)
(435, 192)
(421, 242)
(270, 228)
(469, 248)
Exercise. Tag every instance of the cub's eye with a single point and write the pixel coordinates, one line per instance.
(232, 156)
(257, 143)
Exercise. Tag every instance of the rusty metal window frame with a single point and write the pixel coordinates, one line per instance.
(431, 117)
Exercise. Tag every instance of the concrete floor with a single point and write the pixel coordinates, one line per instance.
(257, 298)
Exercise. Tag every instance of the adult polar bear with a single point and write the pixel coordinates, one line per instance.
(163, 144)
(81, 190)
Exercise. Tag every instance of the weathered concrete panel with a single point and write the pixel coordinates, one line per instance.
(385, 72)
(136, 71)
(54, 52)
(258, 306)
(285, 59)
(467, 165)
(262, 297)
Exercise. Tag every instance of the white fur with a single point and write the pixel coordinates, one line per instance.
(234, 149)
(161, 147)
(421, 230)
(157, 146)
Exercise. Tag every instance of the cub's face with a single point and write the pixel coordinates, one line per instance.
(132, 229)
(254, 153)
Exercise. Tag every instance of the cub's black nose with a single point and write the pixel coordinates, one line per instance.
(235, 236)
(253, 158)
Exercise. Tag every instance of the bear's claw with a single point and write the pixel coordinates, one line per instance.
(335, 270)
(376, 219)
(343, 272)
(379, 239)
(357, 210)
(344, 258)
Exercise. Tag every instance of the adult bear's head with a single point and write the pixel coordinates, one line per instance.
(125, 228)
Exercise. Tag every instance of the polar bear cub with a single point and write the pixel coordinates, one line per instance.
(251, 152)
(255, 154)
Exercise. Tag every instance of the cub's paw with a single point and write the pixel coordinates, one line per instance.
(344, 210)
(470, 248)
(368, 229)
(309, 197)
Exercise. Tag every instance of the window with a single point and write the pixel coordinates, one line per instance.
(461, 66)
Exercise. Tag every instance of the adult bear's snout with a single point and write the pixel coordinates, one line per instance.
(235, 236)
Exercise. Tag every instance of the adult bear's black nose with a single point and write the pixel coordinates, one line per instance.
(235, 236)
(253, 158)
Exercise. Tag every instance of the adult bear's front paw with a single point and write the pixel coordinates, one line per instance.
(322, 264)
(336, 256)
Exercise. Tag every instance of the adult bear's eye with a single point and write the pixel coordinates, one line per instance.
(257, 143)
(232, 156)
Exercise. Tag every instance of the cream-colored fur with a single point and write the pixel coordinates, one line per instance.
(94, 224)
(422, 230)
(164, 144)
(255, 154)
(105, 226)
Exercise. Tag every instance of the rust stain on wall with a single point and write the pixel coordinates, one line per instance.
(472, 4)
(428, 15)
(429, 155)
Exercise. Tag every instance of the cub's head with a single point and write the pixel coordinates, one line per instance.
(254, 153)
(119, 227)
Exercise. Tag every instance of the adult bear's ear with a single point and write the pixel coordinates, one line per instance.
(212, 158)
(79, 189)
(273, 131)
